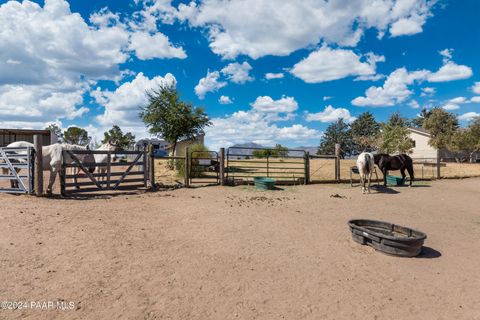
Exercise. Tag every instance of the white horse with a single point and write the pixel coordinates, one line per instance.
(365, 165)
(52, 157)
(103, 158)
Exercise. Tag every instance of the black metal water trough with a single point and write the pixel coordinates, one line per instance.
(387, 237)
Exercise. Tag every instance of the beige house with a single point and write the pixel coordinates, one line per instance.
(182, 145)
(421, 149)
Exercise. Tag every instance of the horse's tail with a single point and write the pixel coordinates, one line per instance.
(368, 160)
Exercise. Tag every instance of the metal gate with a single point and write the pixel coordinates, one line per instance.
(284, 165)
(116, 170)
(17, 169)
(204, 167)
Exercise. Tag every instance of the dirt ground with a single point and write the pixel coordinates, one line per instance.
(237, 253)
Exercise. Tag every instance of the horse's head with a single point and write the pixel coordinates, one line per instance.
(90, 160)
(113, 144)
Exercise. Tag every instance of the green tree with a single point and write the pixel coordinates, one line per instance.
(168, 117)
(76, 135)
(466, 142)
(442, 125)
(123, 141)
(419, 120)
(337, 132)
(394, 136)
(365, 132)
(55, 129)
(277, 151)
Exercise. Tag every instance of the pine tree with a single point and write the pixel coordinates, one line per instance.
(337, 132)
(365, 132)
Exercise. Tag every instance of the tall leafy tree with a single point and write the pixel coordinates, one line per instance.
(337, 132)
(394, 136)
(55, 129)
(168, 117)
(419, 120)
(365, 130)
(466, 142)
(123, 141)
(76, 135)
(442, 125)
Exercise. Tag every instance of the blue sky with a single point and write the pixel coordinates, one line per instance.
(265, 71)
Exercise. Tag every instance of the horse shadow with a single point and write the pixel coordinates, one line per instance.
(384, 189)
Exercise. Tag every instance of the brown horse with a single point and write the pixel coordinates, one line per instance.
(400, 162)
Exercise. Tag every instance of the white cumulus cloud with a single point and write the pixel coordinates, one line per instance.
(122, 106)
(450, 71)
(148, 46)
(468, 116)
(270, 76)
(251, 27)
(475, 99)
(326, 64)
(395, 89)
(210, 83)
(268, 105)
(476, 88)
(330, 114)
(451, 106)
(225, 100)
(257, 127)
(238, 72)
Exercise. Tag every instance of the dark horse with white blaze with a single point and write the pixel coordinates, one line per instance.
(399, 162)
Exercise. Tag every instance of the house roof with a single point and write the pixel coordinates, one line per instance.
(419, 131)
(196, 138)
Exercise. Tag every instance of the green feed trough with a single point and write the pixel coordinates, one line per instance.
(395, 181)
(264, 183)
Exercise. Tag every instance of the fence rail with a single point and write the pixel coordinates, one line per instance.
(12, 162)
(243, 164)
(103, 174)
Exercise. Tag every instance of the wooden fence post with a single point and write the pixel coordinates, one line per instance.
(37, 143)
(222, 166)
(151, 166)
(307, 167)
(268, 164)
(186, 168)
(109, 168)
(337, 162)
(438, 164)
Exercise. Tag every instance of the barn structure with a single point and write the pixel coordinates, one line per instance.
(8, 136)
(183, 144)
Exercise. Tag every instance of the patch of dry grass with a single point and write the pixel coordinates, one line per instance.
(322, 170)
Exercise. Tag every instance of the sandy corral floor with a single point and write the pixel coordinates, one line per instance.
(237, 253)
